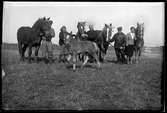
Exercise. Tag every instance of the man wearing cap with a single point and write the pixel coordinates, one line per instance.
(120, 40)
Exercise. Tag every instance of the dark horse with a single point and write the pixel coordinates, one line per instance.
(31, 36)
(139, 42)
(100, 37)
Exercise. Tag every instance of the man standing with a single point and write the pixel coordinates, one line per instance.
(120, 40)
(47, 45)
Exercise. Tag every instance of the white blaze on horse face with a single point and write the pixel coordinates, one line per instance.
(107, 34)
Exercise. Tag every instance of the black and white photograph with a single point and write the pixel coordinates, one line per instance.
(83, 56)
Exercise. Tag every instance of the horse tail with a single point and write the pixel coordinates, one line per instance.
(19, 40)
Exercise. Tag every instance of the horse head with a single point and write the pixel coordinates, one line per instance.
(140, 31)
(108, 31)
(42, 25)
(81, 27)
(81, 30)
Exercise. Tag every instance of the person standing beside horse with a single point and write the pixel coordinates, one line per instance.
(63, 43)
(120, 40)
(47, 45)
(129, 49)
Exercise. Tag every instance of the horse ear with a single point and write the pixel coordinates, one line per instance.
(50, 22)
(48, 18)
(137, 23)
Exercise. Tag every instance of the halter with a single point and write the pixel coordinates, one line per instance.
(108, 30)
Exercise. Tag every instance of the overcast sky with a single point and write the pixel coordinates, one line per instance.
(125, 14)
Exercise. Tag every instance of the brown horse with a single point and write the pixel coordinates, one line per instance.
(31, 36)
(139, 42)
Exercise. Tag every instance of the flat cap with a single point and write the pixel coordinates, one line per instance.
(119, 28)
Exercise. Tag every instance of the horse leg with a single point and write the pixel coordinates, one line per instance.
(127, 59)
(68, 58)
(130, 58)
(74, 61)
(97, 60)
(23, 51)
(29, 53)
(85, 61)
(140, 54)
(20, 51)
(137, 56)
(36, 52)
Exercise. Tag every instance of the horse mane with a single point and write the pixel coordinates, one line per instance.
(137, 31)
(38, 22)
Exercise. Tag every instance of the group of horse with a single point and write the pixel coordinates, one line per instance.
(92, 44)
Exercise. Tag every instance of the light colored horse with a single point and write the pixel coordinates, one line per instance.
(139, 42)
(85, 47)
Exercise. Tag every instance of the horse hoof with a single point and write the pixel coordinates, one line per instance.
(99, 68)
(21, 59)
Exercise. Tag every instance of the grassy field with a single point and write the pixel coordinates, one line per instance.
(40, 86)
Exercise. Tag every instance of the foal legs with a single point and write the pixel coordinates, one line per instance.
(95, 55)
(85, 61)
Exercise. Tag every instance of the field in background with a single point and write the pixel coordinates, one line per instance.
(56, 86)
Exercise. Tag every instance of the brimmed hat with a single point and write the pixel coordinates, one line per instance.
(132, 27)
(119, 28)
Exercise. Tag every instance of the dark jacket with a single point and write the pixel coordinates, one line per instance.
(62, 38)
(119, 39)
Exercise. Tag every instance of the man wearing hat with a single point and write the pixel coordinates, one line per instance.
(120, 40)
